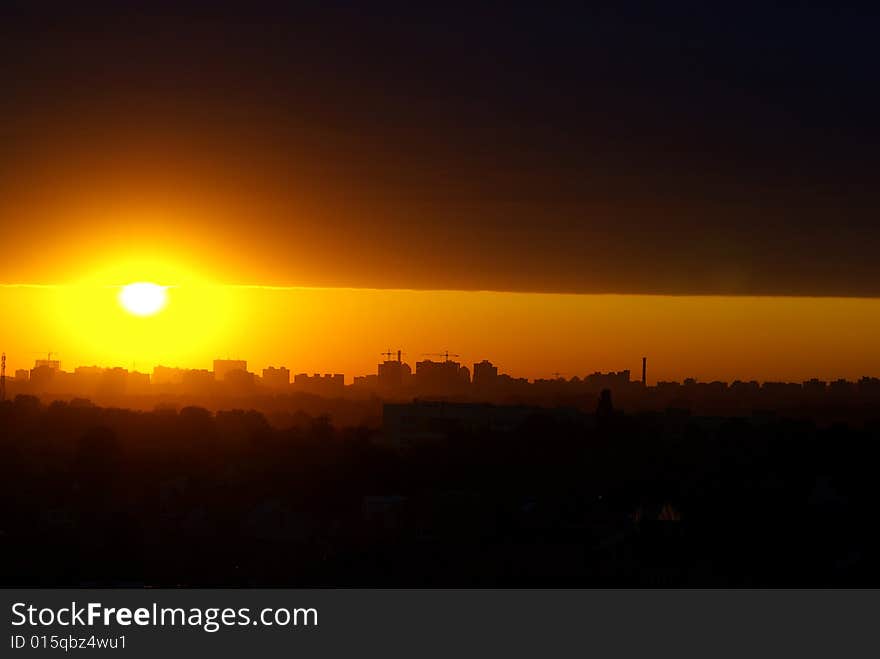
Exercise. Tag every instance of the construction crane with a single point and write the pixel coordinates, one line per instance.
(446, 354)
(51, 359)
(388, 354)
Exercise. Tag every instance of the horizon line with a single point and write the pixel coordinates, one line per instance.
(291, 287)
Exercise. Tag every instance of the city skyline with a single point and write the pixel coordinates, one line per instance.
(435, 392)
(393, 375)
(559, 191)
(528, 335)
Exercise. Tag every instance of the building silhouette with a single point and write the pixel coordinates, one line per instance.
(276, 378)
(197, 380)
(164, 375)
(368, 383)
(238, 381)
(441, 378)
(42, 377)
(612, 380)
(393, 375)
(222, 367)
(485, 375)
(52, 364)
(330, 385)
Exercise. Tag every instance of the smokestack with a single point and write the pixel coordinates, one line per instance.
(644, 371)
(398, 356)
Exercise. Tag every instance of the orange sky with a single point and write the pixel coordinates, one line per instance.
(585, 163)
(289, 256)
(526, 334)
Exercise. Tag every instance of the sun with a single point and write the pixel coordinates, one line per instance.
(143, 298)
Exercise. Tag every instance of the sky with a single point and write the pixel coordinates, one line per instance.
(657, 149)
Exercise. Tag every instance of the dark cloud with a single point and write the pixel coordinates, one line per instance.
(679, 148)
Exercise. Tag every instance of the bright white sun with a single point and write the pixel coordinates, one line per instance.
(143, 298)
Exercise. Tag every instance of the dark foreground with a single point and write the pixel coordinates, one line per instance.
(108, 497)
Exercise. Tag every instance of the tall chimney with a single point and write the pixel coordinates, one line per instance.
(398, 356)
(644, 371)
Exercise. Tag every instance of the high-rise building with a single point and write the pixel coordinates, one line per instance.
(393, 375)
(441, 378)
(485, 375)
(222, 367)
(51, 364)
(276, 378)
(43, 374)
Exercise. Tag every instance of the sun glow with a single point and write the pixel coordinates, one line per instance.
(139, 311)
(143, 298)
